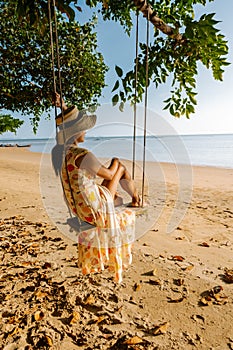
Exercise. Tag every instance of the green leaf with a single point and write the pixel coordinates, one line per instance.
(121, 107)
(167, 106)
(115, 99)
(193, 100)
(171, 110)
(122, 95)
(116, 86)
(119, 71)
(167, 100)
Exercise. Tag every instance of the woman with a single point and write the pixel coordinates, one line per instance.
(109, 243)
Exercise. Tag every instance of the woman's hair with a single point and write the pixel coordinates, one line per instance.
(58, 154)
(57, 158)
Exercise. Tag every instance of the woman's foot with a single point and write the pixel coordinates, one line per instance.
(136, 202)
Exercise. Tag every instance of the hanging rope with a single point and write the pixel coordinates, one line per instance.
(145, 110)
(135, 98)
(52, 53)
(54, 37)
(60, 88)
(58, 63)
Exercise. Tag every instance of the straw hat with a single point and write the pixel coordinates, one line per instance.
(74, 123)
(70, 113)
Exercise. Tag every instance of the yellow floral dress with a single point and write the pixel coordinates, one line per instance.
(109, 243)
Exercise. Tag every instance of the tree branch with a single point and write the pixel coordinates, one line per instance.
(144, 7)
(9, 95)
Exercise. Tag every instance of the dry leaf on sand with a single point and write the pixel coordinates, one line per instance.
(213, 296)
(178, 258)
(228, 276)
(89, 300)
(39, 315)
(178, 281)
(188, 268)
(155, 282)
(178, 300)
(137, 287)
(133, 341)
(75, 317)
(160, 329)
(49, 340)
(204, 244)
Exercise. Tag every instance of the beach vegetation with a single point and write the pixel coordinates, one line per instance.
(9, 123)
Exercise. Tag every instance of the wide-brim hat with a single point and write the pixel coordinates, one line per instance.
(74, 122)
(70, 113)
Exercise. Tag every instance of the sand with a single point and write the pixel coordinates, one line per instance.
(177, 294)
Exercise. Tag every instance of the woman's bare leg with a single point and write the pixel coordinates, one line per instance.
(113, 183)
(128, 185)
(123, 177)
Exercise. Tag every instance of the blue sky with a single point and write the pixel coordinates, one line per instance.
(214, 110)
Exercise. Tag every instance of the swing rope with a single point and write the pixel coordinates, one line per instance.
(135, 98)
(145, 104)
(145, 109)
(58, 64)
(52, 53)
(61, 98)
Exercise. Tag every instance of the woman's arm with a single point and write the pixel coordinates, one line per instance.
(108, 173)
(93, 165)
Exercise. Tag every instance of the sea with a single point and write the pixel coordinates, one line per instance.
(200, 150)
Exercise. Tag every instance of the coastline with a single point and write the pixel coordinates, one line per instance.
(186, 262)
(204, 150)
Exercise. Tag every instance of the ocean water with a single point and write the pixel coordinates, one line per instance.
(203, 150)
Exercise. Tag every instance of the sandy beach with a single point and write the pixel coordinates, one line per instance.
(177, 294)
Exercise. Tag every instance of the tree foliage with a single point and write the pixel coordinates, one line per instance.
(9, 123)
(174, 55)
(26, 70)
(180, 41)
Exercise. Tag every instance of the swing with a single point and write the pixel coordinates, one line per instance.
(97, 236)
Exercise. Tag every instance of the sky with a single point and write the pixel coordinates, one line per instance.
(213, 113)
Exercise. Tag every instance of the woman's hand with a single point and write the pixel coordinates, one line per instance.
(116, 163)
(58, 103)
